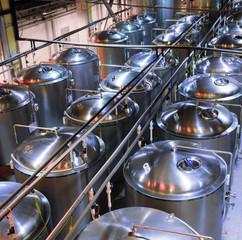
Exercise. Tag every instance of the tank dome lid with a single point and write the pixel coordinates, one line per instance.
(142, 19)
(12, 97)
(28, 222)
(84, 108)
(179, 27)
(159, 171)
(116, 80)
(109, 36)
(37, 148)
(188, 19)
(233, 41)
(72, 56)
(165, 38)
(126, 27)
(118, 224)
(196, 120)
(144, 58)
(219, 63)
(210, 86)
(235, 17)
(231, 28)
(42, 74)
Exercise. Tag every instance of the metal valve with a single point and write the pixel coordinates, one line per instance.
(36, 107)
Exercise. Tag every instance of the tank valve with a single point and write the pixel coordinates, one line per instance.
(141, 142)
(72, 81)
(36, 107)
(151, 131)
(11, 230)
(91, 194)
(84, 151)
(109, 187)
(64, 120)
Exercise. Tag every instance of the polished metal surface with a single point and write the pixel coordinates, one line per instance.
(114, 56)
(188, 19)
(232, 41)
(116, 125)
(16, 107)
(30, 155)
(201, 121)
(165, 38)
(27, 220)
(73, 56)
(86, 107)
(146, 57)
(81, 62)
(64, 184)
(48, 82)
(235, 18)
(134, 32)
(211, 87)
(118, 224)
(219, 63)
(120, 78)
(202, 172)
(185, 182)
(235, 29)
(109, 36)
(147, 22)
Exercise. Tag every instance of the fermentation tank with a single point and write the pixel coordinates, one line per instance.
(48, 82)
(114, 56)
(143, 94)
(210, 125)
(134, 32)
(114, 127)
(118, 224)
(188, 183)
(28, 224)
(147, 22)
(16, 107)
(83, 63)
(212, 87)
(220, 63)
(68, 179)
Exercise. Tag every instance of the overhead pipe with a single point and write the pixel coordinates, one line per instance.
(17, 56)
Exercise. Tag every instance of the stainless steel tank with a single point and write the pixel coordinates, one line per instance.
(16, 107)
(143, 94)
(227, 41)
(188, 183)
(115, 126)
(212, 87)
(68, 179)
(164, 68)
(114, 56)
(28, 224)
(235, 17)
(131, 29)
(134, 32)
(168, 13)
(212, 126)
(235, 29)
(83, 63)
(147, 22)
(220, 63)
(48, 82)
(118, 224)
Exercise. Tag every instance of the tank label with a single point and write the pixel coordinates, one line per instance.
(28, 149)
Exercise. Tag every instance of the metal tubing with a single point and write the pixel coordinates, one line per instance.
(163, 230)
(54, 129)
(211, 151)
(111, 158)
(60, 158)
(110, 10)
(9, 60)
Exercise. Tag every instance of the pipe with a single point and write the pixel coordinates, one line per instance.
(111, 158)
(162, 230)
(110, 10)
(17, 56)
(211, 151)
(59, 159)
